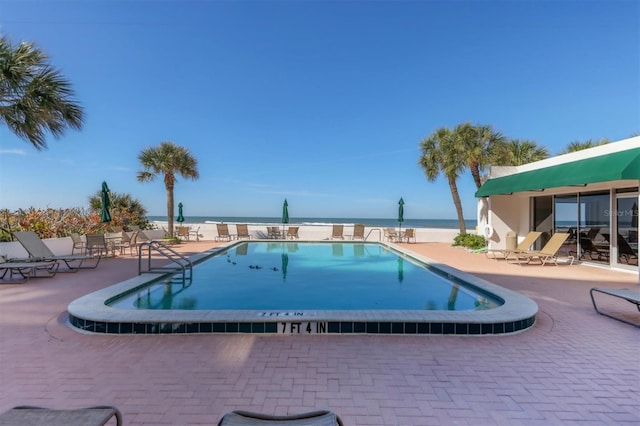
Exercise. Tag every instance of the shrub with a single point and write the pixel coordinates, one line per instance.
(471, 241)
(52, 223)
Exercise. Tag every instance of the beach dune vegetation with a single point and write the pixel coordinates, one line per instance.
(35, 99)
(168, 160)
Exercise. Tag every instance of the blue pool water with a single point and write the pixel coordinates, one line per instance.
(309, 276)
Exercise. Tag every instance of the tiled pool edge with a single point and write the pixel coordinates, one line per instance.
(90, 314)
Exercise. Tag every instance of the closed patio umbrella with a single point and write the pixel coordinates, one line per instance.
(105, 216)
(285, 214)
(180, 218)
(400, 214)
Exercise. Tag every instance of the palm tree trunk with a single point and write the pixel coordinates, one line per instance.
(170, 209)
(456, 201)
(474, 168)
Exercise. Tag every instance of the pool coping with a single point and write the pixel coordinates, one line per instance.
(90, 313)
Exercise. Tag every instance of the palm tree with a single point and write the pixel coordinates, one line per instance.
(167, 159)
(479, 141)
(443, 152)
(34, 97)
(579, 146)
(517, 152)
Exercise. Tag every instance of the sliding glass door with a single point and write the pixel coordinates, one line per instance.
(626, 243)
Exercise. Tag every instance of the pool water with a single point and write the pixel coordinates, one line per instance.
(309, 276)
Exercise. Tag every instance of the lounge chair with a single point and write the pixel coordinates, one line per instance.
(409, 234)
(358, 232)
(247, 418)
(631, 296)
(90, 416)
(337, 231)
(243, 231)
(588, 248)
(547, 253)
(292, 233)
(626, 252)
(27, 269)
(524, 245)
(38, 250)
(223, 232)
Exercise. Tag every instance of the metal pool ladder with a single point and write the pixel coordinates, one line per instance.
(374, 229)
(182, 264)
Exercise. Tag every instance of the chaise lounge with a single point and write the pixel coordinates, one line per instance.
(27, 269)
(39, 251)
(315, 418)
(524, 245)
(36, 416)
(631, 296)
(547, 253)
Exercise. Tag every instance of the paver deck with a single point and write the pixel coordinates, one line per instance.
(572, 367)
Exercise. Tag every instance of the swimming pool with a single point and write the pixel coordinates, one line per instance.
(307, 287)
(287, 276)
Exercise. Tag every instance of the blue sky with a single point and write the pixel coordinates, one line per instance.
(322, 102)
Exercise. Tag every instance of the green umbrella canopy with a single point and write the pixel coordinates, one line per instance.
(401, 210)
(105, 216)
(285, 214)
(180, 217)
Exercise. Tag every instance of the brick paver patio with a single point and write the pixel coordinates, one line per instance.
(573, 367)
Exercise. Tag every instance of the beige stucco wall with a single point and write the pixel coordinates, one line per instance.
(507, 213)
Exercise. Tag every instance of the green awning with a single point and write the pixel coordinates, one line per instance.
(615, 166)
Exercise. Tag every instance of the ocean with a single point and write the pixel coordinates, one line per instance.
(377, 222)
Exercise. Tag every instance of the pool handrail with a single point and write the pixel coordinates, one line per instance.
(184, 264)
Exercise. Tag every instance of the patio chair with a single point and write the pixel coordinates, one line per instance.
(38, 250)
(358, 232)
(247, 418)
(524, 245)
(390, 234)
(274, 232)
(547, 253)
(337, 232)
(78, 243)
(292, 233)
(195, 233)
(242, 231)
(409, 234)
(97, 243)
(182, 232)
(134, 243)
(90, 416)
(27, 269)
(122, 243)
(223, 232)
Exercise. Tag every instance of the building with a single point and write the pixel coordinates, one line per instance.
(591, 194)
